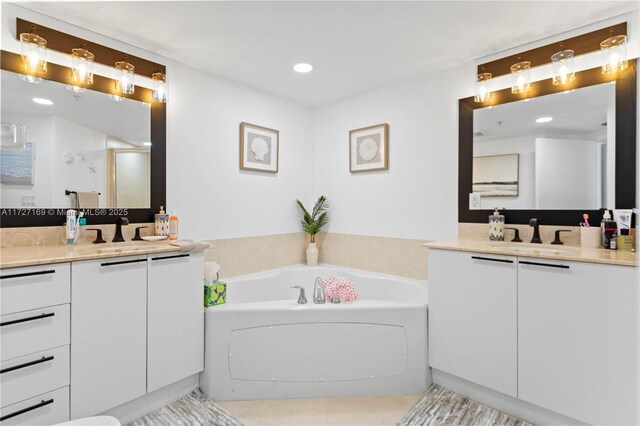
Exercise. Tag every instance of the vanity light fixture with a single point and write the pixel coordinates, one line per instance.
(42, 101)
(563, 69)
(124, 80)
(75, 89)
(521, 78)
(116, 98)
(160, 86)
(544, 119)
(82, 65)
(614, 54)
(31, 78)
(303, 67)
(483, 91)
(33, 50)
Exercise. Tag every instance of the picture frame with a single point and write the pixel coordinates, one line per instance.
(259, 148)
(496, 175)
(18, 166)
(369, 148)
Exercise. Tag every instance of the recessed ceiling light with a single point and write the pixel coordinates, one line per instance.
(302, 67)
(146, 143)
(42, 101)
(544, 119)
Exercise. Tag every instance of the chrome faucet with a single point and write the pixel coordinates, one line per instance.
(301, 298)
(536, 231)
(318, 291)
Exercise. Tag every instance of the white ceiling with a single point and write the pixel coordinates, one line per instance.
(354, 46)
(128, 120)
(576, 113)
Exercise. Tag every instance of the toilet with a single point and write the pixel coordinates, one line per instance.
(92, 421)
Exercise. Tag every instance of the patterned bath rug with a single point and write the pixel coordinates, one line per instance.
(440, 407)
(194, 409)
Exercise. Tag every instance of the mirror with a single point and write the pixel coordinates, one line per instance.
(553, 152)
(92, 144)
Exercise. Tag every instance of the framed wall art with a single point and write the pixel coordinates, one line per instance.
(259, 148)
(369, 148)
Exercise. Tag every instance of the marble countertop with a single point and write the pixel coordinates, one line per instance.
(13, 257)
(544, 251)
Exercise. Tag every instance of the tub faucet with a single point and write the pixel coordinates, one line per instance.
(318, 291)
(301, 299)
(536, 231)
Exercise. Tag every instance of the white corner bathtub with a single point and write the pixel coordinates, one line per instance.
(262, 344)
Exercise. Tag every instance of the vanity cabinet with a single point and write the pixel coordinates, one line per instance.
(34, 335)
(175, 346)
(558, 334)
(578, 339)
(108, 333)
(473, 317)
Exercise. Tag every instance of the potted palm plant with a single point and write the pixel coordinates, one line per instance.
(312, 223)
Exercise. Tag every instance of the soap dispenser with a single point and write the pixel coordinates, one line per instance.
(496, 226)
(162, 223)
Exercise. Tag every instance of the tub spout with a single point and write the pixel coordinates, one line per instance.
(301, 298)
(318, 291)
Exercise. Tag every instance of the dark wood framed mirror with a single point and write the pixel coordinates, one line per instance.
(14, 215)
(622, 190)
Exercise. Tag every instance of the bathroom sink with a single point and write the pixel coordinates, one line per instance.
(533, 248)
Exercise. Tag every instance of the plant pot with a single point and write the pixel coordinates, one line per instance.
(312, 254)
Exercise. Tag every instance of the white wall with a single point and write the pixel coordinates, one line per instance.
(417, 196)
(212, 197)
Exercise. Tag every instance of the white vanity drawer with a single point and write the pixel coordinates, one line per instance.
(46, 409)
(34, 331)
(24, 377)
(34, 287)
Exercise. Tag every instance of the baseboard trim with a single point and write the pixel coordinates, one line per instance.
(508, 404)
(144, 405)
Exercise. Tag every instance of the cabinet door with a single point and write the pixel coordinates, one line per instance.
(578, 339)
(473, 318)
(175, 318)
(108, 333)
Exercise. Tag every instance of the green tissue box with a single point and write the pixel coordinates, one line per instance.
(215, 294)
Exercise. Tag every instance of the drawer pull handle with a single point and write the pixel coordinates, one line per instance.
(175, 256)
(18, 321)
(123, 262)
(28, 274)
(27, 364)
(490, 259)
(26, 410)
(548, 265)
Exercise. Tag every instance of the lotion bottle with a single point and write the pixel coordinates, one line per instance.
(162, 223)
(173, 226)
(496, 226)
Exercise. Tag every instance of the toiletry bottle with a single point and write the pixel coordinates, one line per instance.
(162, 223)
(606, 217)
(611, 235)
(173, 226)
(496, 226)
(72, 226)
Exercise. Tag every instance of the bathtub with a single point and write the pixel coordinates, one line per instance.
(262, 344)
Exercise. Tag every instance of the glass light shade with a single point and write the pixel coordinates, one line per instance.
(33, 50)
(30, 78)
(563, 69)
(13, 136)
(75, 89)
(160, 87)
(614, 54)
(82, 66)
(521, 78)
(483, 90)
(124, 81)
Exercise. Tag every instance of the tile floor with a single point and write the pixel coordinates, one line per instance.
(349, 411)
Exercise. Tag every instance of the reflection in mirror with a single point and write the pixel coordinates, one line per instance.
(85, 143)
(550, 152)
